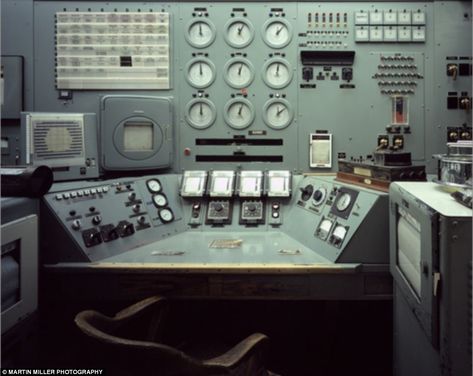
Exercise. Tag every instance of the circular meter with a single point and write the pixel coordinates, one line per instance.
(239, 32)
(200, 33)
(200, 72)
(160, 200)
(343, 201)
(239, 73)
(200, 113)
(239, 113)
(166, 215)
(277, 33)
(154, 186)
(277, 113)
(277, 73)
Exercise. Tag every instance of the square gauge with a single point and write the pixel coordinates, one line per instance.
(221, 183)
(250, 183)
(278, 183)
(362, 34)
(390, 17)
(376, 18)
(390, 33)
(418, 18)
(418, 34)
(404, 34)
(376, 33)
(404, 17)
(361, 18)
(193, 183)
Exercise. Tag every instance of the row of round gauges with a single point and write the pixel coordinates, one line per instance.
(239, 33)
(239, 113)
(239, 72)
(160, 200)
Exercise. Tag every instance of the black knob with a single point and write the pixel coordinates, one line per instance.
(251, 207)
(218, 207)
(307, 192)
(72, 213)
(96, 219)
(318, 195)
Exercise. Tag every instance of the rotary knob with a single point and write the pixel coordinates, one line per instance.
(96, 219)
(136, 208)
(251, 207)
(132, 196)
(218, 207)
(76, 224)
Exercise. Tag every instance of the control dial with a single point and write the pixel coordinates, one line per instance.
(239, 32)
(200, 33)
(277, 113)
(200, 72)
(239, 113)
(277, 73)
(200, 113)
(319, 196)
(306, 192)
(166, 215)
(277, 33)
(239, 73)
(343, 201)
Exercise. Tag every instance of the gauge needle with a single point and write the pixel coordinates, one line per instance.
(200, 30)
(279, 111)
(277, 69)
(279, 30)
(239, 69)
(240, 29)
(201, 111)
(240, 109)
(200, 69)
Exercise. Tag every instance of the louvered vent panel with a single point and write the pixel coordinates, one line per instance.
(58, 139)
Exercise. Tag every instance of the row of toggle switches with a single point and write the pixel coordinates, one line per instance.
(81, 193)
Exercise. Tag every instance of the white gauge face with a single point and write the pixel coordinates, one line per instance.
(277, 73)
(200, 33)
(166, 215)
(160, 200)
(277, 33)
(278, 113)
(239, 73)
(239, 33)
(200, 73)
(343, 201)
(200, 113)
(239, 113)
(154, 186)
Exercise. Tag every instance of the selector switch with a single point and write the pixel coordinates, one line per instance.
(76, 224)
(96, 219)
(306, 192)
(108, 232)
(252, 212)
(136, 208)
(125, 228)
(307, 73)
(91, 237)
(132, 196)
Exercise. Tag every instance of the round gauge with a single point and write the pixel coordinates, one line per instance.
(343, 201)
(154, 186)
(277, 113)
(277, 33)
(166, 215)
(200, 113)
(239, 32)
(160, 200)
(277, 73)
(239, 73)
(239, 113)
(319, 196)
(200, 72)
(200, 33)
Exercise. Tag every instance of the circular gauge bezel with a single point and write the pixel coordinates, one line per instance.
(202, 60)
(153, 181)
(281, 61)
(234, 61)
(162, 196)
(289, 110)
(343, 204)
(160, 211)
(228, 37)
(200, 45)
(188, 117)
(269, 23)
(231, 103)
